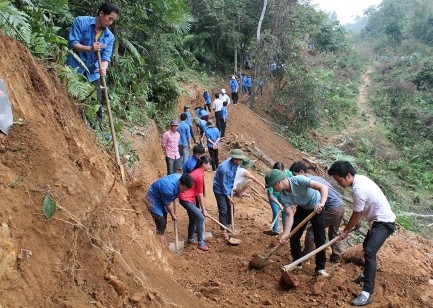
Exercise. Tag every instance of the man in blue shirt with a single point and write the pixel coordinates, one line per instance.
(185, 134)
(87, 36)
(191, 162)
(201, 125)
(207, 100)
(235, 89)
(334, 213)
(223, 185)
(213, 137)
(224, 116)
(160, 196)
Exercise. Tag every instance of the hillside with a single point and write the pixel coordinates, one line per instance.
(100, 248)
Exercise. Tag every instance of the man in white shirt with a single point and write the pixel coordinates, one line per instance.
(217, 105)
(244, 179)
(224, 97)
(370, 203)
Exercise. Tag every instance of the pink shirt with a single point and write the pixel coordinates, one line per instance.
(170, 144)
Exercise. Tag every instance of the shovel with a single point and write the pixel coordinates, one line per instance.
(177, 246)
(231, 240)
(260, 262)
(270, 232)
(285, 277)
(206, 234)
(110, 118)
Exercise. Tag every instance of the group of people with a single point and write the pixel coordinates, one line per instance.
(313, 193)
(90, 36)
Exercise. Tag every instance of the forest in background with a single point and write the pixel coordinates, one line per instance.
(308, 56)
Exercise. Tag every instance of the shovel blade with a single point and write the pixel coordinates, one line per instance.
(287, 279)
(234, 241)
(177, 250)
(258, 262)
(270, 232)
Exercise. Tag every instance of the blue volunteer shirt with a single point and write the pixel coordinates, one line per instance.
(202, 126)
(206, 97)
(213, 134)
(224, 114)
(301, 194)
(224, 178)
(190, 164)
(188, 119)
(184, 132)
(83, 32)
(234, 85)
(202, 113)
(162, 192)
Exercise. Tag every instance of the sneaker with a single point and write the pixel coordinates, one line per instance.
(322, 273)
(361, 300)
(359, 279)
(192, 242)
(203, 246)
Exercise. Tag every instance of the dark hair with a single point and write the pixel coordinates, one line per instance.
(183, 116)
(186, 180)
(298, 167)
(203, 160)
(198, 149)
(217, 95)
(185, 108)
(279, 166)
(342, 168)
(225, 103)
(109, 7)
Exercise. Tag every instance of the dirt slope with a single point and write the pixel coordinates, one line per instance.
(100, 248)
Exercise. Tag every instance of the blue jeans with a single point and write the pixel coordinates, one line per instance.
(374, 240)
(275, 209)
(196, 218)
(184, 153)
(318, 224)
(173, 165)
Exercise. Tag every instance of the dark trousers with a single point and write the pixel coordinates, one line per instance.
(223, 128)
(375, 238)
(213, 153)
(217, 119)
(224, 209)
(207, 107)
(172, 164)
(318, 225)
(235, 97)
(192, 133)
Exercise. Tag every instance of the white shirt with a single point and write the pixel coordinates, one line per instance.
(217, 104)
(239, 177)
(225, 98)
(369, 199)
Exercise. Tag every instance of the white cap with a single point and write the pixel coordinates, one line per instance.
(223, 91)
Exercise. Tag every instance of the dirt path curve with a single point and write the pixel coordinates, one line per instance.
(365, 118)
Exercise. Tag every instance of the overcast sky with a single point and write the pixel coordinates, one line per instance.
(345, 9)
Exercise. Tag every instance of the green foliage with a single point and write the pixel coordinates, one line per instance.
(48, 206)
(76, 84)
(424, 78)
(14, 22)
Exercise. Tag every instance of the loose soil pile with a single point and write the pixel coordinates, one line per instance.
(100, 248)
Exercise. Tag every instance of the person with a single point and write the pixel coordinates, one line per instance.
(234, 86)
(224, 97)
(217, 105)
(244, 84)
(160, 196)
(309, 196)
(89, 35)
(201, 113)
(191, 162)
(223, 185)
(184, 140)
(273, 200)
(248, 84)
(189, 121)
(334, 213)
(224, 117)
(260, 86)
(244, 179)
(213, 137)
(201, 126)
(207, 100)
(170, 145)
(371, 204)
(196, 210)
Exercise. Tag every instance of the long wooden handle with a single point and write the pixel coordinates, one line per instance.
(306, 219)
(110, 119)
(176, 243)
(232, 213)
(275, 219)
(220, 224)
(307, 256)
